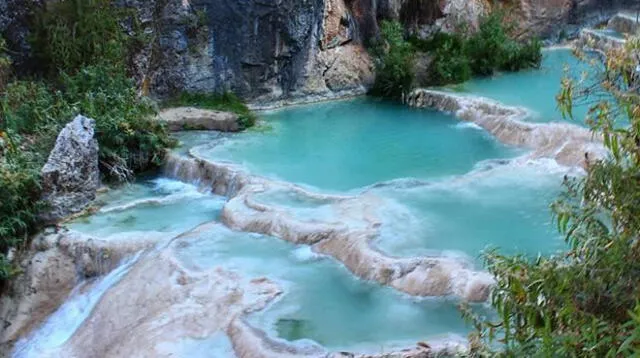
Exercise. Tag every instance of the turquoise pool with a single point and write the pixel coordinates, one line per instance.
(534, 89)
(347, 145)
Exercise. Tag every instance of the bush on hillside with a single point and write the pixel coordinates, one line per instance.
(82, 48)
(520, 56)
(450, 63)
(5, 64)
(459, 56)
(130, 139)
(19, 200)
(485, 48)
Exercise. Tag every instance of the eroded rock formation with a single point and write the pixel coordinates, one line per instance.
(277, 52)
(71, 176)
(568, 144)
(176, 302)
(625, 23)
(347, 235)
(56, 263)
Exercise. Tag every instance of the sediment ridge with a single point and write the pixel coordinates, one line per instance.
(346, 234)
(175, 303)
(568, 144)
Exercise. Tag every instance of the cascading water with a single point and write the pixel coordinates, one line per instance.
(58, 328)
(404, 198)
(159, 207)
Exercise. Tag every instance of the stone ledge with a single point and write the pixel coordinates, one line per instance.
(191, 118)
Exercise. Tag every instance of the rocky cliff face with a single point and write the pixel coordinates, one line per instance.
(290, 50)
(265, 51)
(555, 19)
(279, 51)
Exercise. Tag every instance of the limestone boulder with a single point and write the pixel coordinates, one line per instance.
(71, 176)
(190, 118)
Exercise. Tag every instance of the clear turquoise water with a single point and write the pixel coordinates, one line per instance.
(446, 188)
(324, 302)
(351, 144)
(449, 190)
(534, 89)
(505, 207)
(161, 206)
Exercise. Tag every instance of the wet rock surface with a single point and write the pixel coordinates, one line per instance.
(71, 177)
(55, 264)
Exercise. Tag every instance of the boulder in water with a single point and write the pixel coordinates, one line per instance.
(71, 176)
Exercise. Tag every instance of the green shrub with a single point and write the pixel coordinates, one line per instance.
(83, 48)
(521, 56)
(450, 63)
(129, 137)
(226, 101)
(437, 40)
(19, 201)
(70, 34)
(585, 301)
(485, 48)
(457, 57)
(5, 64)
(395, 67)
(29, 106)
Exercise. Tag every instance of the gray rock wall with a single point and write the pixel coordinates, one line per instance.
(282, 51)
(264, 50)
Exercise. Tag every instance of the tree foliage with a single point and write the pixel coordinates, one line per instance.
(461, 55)
(70, 34)
(585, 302)
(395, 68)
(5, 64)
(455, 57)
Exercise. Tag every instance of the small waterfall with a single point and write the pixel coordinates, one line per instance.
(61, 326)
(183, 169)
(222, 179)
